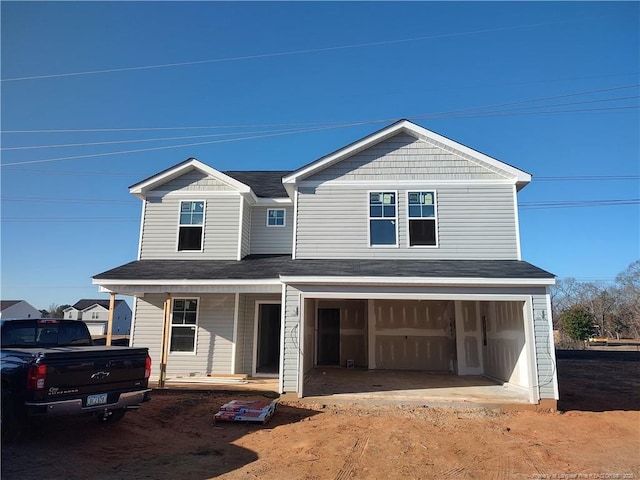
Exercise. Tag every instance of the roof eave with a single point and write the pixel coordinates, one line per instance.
(141, 189)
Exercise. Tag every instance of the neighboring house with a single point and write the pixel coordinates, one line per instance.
(18, 309)
(95, 313)
(400, 251)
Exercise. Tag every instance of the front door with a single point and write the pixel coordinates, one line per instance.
(268, 338)
(328, 336)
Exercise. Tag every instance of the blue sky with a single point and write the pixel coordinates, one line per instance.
(291, 73)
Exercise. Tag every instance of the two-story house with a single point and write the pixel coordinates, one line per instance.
(95, 313)
(400, 251)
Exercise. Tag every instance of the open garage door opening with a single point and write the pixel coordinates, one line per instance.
(442, 343)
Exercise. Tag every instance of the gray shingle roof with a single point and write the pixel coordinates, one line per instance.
(88, 302)
(263, 267)
(4, 304)
(267, 184)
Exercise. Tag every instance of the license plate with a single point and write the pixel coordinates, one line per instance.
(99, 399)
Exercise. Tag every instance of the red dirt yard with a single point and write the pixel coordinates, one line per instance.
(174, 437)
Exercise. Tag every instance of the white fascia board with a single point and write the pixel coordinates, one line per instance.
(521, 177)
(274, 201)
(265, 281)
(403, 183)
(140, 189)
(343, 153)
(95, 306)
(449, 281)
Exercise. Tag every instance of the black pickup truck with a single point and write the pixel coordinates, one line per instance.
(51, 367)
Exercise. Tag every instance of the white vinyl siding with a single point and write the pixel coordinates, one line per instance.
(545, 353)
(291, 340)
(214, 337)
(270, 240)
(402, 157)
(160, 228)
(475, 221)
(246, 230)
(195, 181)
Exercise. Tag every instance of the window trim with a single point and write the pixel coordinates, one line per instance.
(435, 217)
(369, 218)
(197, 325)
(204, 220)
(284, 217)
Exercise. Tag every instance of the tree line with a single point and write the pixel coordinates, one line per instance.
(587, 309)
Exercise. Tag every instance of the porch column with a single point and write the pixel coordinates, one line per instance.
(112, 303)
(165, 341)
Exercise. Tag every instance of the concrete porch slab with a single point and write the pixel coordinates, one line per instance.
(383, 387)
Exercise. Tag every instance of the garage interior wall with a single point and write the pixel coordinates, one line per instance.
(414, 335)
(504, 354)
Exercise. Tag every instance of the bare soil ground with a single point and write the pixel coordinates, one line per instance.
(174, 437)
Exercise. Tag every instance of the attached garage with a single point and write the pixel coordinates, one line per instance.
(479, 337)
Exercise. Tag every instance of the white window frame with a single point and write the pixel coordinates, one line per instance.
(195, 338)
(369, 217)
(435, 217)
(204, 217)
(284, 217)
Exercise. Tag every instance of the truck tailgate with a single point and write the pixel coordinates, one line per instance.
(89, 370)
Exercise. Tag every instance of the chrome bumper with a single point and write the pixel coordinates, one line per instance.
(74, 407)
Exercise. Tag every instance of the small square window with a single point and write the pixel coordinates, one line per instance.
(276, 217)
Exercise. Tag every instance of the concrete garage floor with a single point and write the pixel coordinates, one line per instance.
(382, 387)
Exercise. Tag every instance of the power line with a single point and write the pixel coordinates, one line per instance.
(575, 178)
(579, 204)
(94, 219)
(68, 219)
(68, 200)
(282, 54)
(288, 133)
(73, 157)
(588, 178)
(335, 124)
(158, 139)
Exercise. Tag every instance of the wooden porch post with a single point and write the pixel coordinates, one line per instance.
(165, 341)
(112, 303)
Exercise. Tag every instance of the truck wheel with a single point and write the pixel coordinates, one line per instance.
(112, 416)
(11, 420)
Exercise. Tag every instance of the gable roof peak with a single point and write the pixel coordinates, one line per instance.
(520, 177)
(141, 188)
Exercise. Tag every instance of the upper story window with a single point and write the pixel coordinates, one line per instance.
(184, 324)
(383, 219)
(190, 228)
(422, 219)
(275, 217)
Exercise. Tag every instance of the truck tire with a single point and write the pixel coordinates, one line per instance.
(112, 416)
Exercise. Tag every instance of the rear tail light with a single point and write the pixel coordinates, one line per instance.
(36, 377)
(147, 368)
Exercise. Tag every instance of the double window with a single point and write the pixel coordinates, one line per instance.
(184, 324)
(275, 217)
(422, 218)
(383, 219)
(191, 226)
